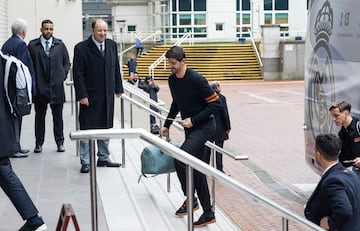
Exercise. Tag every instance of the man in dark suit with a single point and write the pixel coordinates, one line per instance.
(16, 47)
(9, 181)
(52, 64)
(223, 126)
(335, 203)
(97, 78)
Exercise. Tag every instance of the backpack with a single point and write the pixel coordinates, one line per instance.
(17, 85)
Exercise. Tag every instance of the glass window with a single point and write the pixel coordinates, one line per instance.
(219, 26)
(173, 3)
(199, 5)
(267, 4)
(268, 19)
(237, 5)
(174, 21)
(246, 19)
(281, 18)
(131, 28)
(281, 5)
(237, 18)
(184, 5)
(200, 19)
(284, 31)
(245, 4)
(184, 30)
(184, 19)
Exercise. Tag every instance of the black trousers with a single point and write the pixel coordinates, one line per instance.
(58, 124)
(195, 139)
(219, 164)
(17, 124)
(14, 189)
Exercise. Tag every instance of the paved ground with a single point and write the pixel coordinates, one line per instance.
(267, 120)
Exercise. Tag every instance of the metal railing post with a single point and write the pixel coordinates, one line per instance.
(77, 126)
(212, 163)
(131, 113)
(93, 191)
(122, 113)
(285, 224)
(190, 197)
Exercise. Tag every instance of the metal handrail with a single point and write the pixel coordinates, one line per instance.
(143, 40)
(162, 57)
(190, 161)
(255, 48)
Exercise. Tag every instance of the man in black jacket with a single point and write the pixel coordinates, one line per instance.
(335, 202)
(222, 124)
(51, 64)
(97, 79)
(196, 101)
(349, 134)
(9, 181)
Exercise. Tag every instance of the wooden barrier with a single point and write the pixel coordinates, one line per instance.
(66, 214)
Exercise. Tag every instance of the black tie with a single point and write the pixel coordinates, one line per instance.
(102, 50)
(47, 48)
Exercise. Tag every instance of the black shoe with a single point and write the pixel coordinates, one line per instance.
(24, 151)
(85, 168)
(38, 148)
(204, 220)
(107, 163)
(60, 148)
(182, 211)
(19, 155)
(38, 226)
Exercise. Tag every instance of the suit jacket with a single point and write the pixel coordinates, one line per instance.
(97, 78)
(338, 196)
(50, 79)
(222, 120)
(16, 47)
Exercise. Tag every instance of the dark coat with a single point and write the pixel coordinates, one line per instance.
(50, 87)
(222, 120)
(98, 79)
(8, 142)
(338, 196)
(16, 47)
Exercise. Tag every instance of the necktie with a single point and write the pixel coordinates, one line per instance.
(47, 48)
(102, 50)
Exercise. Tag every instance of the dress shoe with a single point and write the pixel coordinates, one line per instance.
(19, 155)
(23, 151)
(60, 148)
(38, 148)
(107, 163)
(85, 168)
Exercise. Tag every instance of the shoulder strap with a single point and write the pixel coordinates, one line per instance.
(9, 60)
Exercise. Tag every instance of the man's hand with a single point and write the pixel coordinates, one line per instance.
(118, 95)
(324, 223)
(357, 162)
(186, 123)
(164, 132)
(84, 101)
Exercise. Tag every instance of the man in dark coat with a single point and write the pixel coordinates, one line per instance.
(97, 78)
(335, 202)
(223, 126)
(51, 64)
(16, 47)
(9, 181)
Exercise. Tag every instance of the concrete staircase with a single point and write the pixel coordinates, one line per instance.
(215, 61)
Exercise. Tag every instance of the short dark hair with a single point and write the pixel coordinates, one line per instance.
(329, 146)
(342, 105)
(46, 21)
(175, 52)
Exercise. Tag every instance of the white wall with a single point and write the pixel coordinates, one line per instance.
(66, 15)
(221, 12)
(297, 18)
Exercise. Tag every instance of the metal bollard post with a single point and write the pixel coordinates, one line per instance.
(93, 191)
(190, 197)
